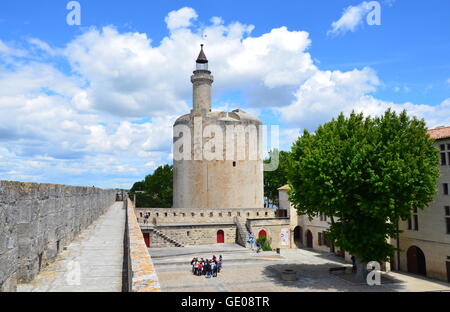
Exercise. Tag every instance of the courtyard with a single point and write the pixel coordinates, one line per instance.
(248, 271)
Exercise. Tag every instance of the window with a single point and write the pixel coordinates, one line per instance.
(211, 214)
(174, 214)
(267, 213)
(234, 164)
(413, 221)
(447, 218)
(443, 159)
(229, 214)
(220, 215)
(445, 188)
(322, 217)
(165, 214)
(445, 152)
(257, 214)
(202, 215)
(193, 214)
(320, 239)
(188, 233)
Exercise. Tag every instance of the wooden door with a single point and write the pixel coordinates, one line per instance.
(220, 237)
(147, 239)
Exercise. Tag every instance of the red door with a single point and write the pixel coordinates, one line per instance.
(220, 237)
(262, 234)
(147, 239)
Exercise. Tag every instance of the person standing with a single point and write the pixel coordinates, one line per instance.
(214, 268)
(208, 269)
(258, 246)
(196, 267)
(219, 265)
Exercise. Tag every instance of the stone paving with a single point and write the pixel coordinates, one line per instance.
(97, 252)
(246, 271)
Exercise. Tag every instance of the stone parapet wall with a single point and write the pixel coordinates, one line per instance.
(38, 220)
(164, 216)
(141, 272)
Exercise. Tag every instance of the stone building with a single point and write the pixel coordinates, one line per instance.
(425, 241)
(425, 237)
(218, 178)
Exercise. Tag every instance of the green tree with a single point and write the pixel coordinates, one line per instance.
(156, 191)
(273, 180)
(366, 174)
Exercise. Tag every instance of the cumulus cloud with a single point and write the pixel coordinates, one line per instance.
(180, 18)
(351, 18)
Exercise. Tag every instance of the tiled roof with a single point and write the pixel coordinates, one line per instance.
(285, 188)
(439, 133)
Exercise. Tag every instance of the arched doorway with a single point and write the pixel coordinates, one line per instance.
(262, 234)
(309, 239)
(416, 261)
(147, 239)
(298, 236)
(220, 237)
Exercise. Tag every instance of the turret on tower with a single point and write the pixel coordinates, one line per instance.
(202, 81)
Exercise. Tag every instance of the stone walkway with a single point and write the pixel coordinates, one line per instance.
(91, 263)
(246, 271)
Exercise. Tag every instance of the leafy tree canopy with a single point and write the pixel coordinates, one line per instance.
(273, 180)
(366, 174)
(157, 189)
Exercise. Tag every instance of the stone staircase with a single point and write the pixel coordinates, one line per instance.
(167, 238)
(242, 231)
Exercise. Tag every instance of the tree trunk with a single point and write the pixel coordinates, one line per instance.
(361, 270)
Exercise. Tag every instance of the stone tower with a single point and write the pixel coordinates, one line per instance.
(217, 155)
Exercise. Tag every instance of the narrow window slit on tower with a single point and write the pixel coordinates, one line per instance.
(40, 261)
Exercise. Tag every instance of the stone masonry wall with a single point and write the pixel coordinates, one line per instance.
(38, 220)
(201, 234)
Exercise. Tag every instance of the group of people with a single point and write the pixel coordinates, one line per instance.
(207, 267)
(251, 240)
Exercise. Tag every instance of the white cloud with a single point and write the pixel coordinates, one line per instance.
(180, 18)
(351, 18)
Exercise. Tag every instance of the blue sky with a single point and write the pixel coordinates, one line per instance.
(94, 104)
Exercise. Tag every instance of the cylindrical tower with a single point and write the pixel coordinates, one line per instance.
(218, 160)
(202, 81)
